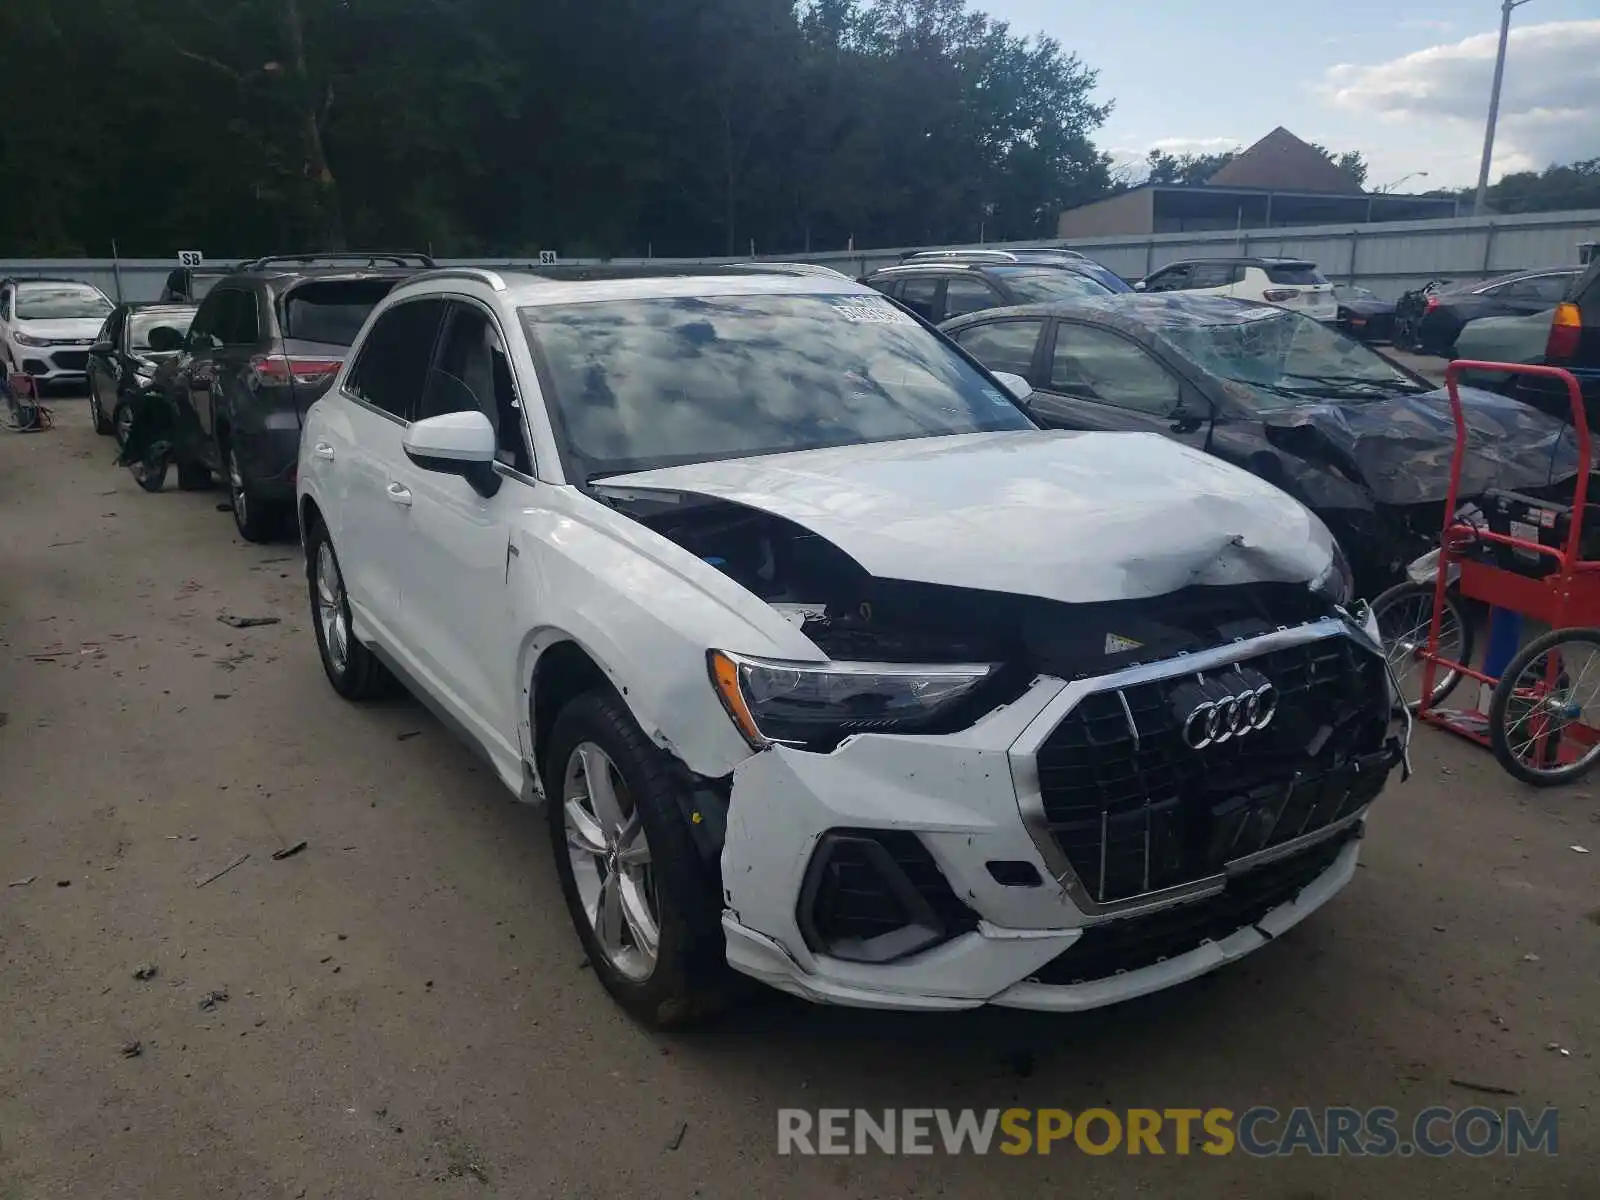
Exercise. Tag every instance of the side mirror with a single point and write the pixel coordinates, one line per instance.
(1138, 285)
(103, 349)
(1021, 390)
(458, 443)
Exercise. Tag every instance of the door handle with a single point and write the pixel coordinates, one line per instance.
(323, 450)
(400, 494)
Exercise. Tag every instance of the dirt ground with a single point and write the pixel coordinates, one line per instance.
(408, 1013)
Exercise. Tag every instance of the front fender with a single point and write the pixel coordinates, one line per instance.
(646, 611)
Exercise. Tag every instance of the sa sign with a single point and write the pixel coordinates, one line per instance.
(547, 258)
(190, 258)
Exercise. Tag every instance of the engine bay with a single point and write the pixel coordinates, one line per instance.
(853, 615)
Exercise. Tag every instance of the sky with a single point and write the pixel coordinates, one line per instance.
(1406, 82)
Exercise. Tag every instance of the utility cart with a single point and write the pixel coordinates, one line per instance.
(1529, 558)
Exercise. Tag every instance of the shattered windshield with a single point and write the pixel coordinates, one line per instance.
(1285, 358)
(638, 384)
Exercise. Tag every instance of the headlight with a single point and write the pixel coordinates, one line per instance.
(1336, 582)
(818, 704)
(27, 339)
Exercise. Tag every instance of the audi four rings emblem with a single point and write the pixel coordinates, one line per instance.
(1226, 710)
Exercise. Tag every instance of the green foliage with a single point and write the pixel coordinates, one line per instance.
(503, 126)
(1557, 187)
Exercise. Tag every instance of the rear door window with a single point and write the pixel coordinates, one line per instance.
(964, 294)
(920, 296)
(1211, 275)
(1303, 274)
(394, 359)
(331, 311)
(1003, 345)
(235, 321)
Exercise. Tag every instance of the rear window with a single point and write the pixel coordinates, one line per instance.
(332, 311)
(1033, 286)
(1302, 273)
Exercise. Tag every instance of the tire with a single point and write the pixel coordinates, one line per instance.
(102, 423)
(257, 520)
(1403, 614)
(121, 422)
(352, 669)
(688, 978)
(194, 477)
(1511, 706)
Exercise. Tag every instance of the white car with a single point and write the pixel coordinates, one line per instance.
(1291, 283)
(47, 327)
(833, 668)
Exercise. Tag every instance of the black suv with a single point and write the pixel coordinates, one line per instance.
(266, 342)
(938, 290)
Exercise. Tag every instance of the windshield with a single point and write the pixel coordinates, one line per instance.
(141, 323)
(64, 303)
(636, 384)
(1287, 359)
(1033, 286)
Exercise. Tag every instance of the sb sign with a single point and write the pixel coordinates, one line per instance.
(547, 258)
(190, 258)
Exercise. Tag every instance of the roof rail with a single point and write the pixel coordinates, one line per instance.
(959, 256)
(476, 274)
(791, 268)
(399, 258)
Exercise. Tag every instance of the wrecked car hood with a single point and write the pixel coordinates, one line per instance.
(1075, 517)
(1401, 445)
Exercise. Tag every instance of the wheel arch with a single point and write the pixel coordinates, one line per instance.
(556, 668)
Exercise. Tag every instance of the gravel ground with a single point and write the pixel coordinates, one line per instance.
(407, 1012)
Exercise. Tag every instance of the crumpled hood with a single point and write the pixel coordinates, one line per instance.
(1402, 445)
(79, 329)
(1075, 517)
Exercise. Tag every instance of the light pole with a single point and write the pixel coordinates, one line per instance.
(1494, 102)
(1389, 187)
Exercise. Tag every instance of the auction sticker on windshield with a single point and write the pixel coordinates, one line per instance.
(869, 310)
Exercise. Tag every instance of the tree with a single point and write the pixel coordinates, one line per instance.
(1186, 168)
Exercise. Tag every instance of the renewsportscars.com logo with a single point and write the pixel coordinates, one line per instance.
(1260, 1132)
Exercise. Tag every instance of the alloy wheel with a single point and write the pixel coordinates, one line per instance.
(121, 423)
(611, 862)
(331, 608)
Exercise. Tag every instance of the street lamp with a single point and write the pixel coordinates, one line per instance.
(1387, 188)
(1494, 102)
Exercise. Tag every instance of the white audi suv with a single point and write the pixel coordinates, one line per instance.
(830, 666)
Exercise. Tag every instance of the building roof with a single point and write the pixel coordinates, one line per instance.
(1282, 161)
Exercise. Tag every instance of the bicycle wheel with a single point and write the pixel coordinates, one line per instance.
(1549, 693)
(1404, 614)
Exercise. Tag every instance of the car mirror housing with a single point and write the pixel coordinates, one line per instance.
(103, 349)
(1020, 389)
(458, 443)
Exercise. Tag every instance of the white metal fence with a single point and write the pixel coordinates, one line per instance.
(1388, 258)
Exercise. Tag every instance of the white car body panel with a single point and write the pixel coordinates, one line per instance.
(466, 593)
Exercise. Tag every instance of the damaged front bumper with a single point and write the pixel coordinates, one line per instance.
(1073, 848)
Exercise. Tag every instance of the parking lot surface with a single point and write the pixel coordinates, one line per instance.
(401, 1009)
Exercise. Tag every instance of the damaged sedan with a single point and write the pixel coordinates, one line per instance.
(1363, 442)
(832, 669)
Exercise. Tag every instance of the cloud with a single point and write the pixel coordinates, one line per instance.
(1427, 25)
(1549, 104)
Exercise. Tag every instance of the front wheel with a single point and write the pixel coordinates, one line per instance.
(646, 908)
(122, 422)
(1404, 615)
(1545, 710)
(352, 669)
(102, 423)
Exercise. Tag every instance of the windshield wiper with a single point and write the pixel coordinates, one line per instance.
(1394, 384)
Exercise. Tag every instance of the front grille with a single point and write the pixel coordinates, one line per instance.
(1135, 809)
(70, 360)
(1129, 943)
